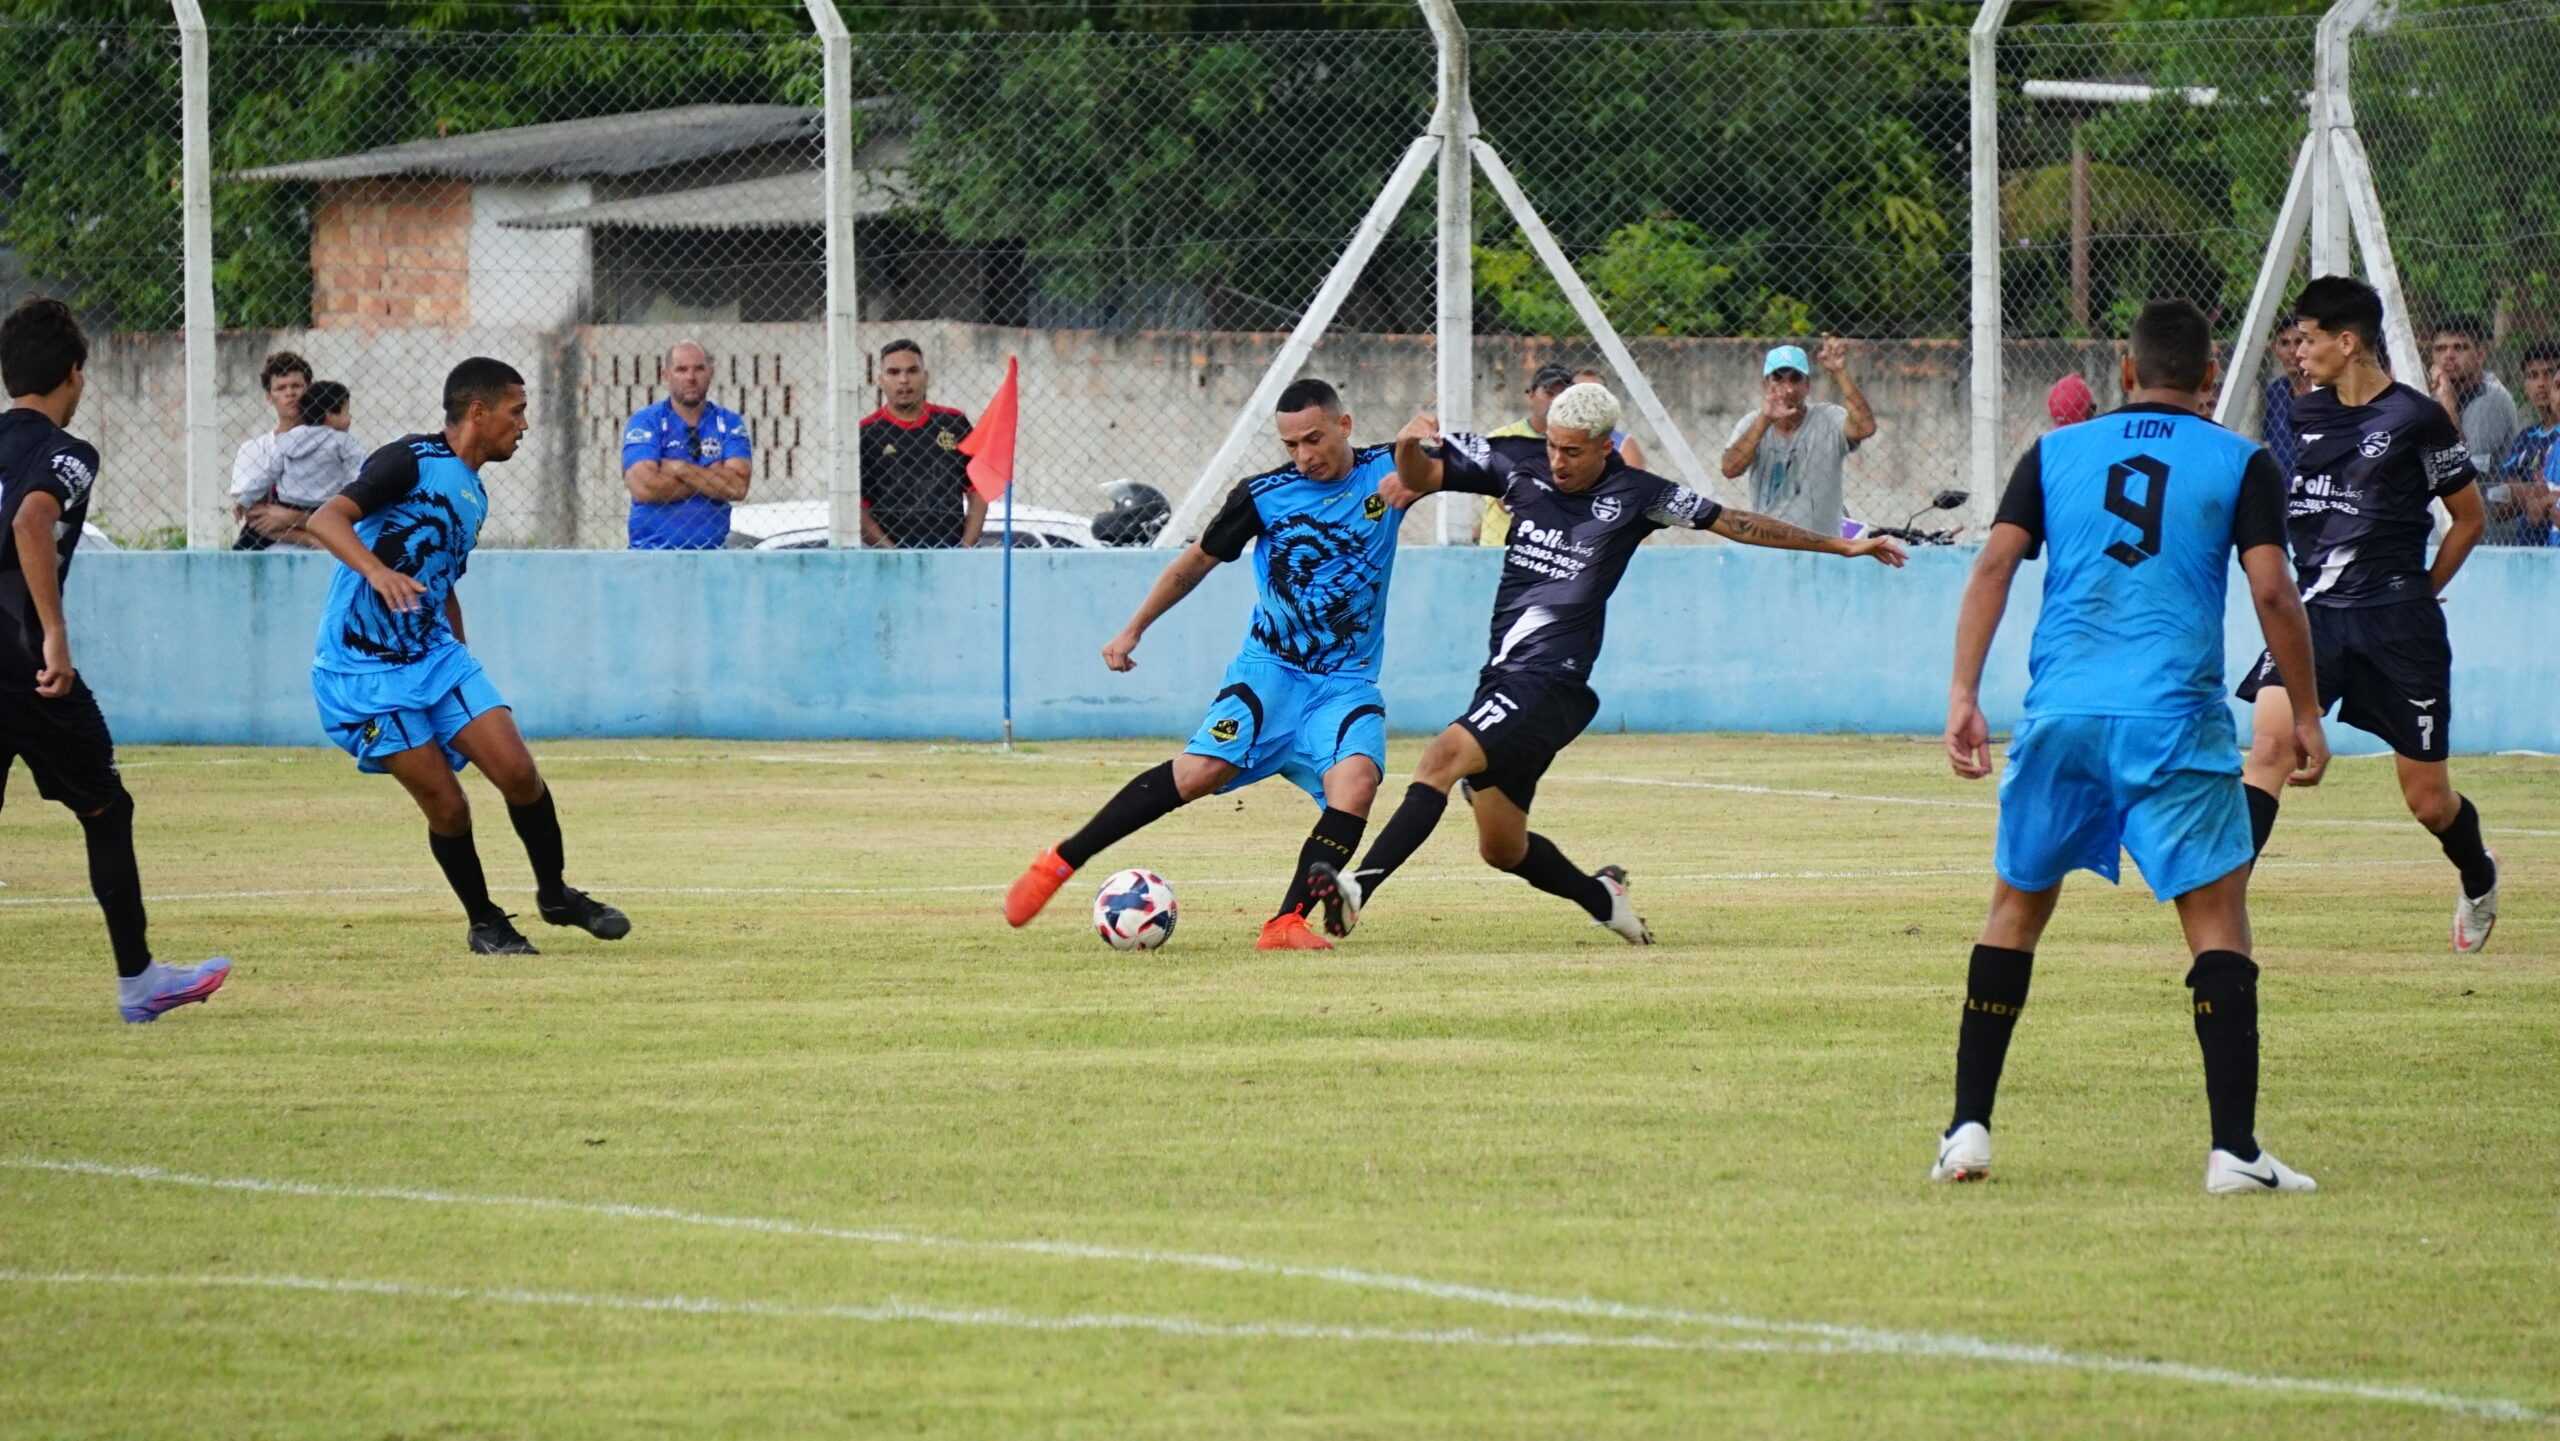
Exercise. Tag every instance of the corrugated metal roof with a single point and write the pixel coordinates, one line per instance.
(773, 202)
(570, 149)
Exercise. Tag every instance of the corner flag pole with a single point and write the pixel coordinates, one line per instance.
(989, 447)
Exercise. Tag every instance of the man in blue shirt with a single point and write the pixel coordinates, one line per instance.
(394, 685)
(1302, 699)
(2527, 475)
(2284, 387)
(2126, 742)
(685, 459)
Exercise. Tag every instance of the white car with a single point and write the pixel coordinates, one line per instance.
(802, 524)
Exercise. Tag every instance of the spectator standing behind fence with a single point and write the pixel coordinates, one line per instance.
(1794, 451)
(2526, 484)
(2287, 385)
(685, 459)
(2069, 401)
(307, 464)
(2481, 407)
(915, 483)
(284, 376)
(1549, 382)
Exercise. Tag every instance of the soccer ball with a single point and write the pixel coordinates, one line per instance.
(1134, 911)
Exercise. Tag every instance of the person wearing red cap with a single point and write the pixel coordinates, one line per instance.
(2069, 401)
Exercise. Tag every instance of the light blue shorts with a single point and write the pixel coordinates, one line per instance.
(377, 713)
(1273, 720)
(2167, 789)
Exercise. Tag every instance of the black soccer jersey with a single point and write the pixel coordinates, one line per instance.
(1567, 551)
(2362, 478)
(36, 455)
(915, 481)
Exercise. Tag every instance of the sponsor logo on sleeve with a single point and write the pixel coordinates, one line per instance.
(1475, 448)
(636, 435)
(75, 475)
(1682, 505)
(1224, 731)
(2446, 464)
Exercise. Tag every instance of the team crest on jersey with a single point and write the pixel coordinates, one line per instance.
(1606, 508)
(2375, 442)
(75, 476)
(1375, 506)
(947, 441)
(1224, 731)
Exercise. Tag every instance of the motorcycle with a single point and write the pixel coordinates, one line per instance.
(1908, 535)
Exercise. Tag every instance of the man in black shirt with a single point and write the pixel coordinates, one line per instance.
(915, 482)
(47, 715)
(2370, 455)
(1578, 512)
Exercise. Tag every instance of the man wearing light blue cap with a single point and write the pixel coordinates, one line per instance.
(1794, 451)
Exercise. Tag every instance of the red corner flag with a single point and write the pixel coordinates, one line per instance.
(990, 443)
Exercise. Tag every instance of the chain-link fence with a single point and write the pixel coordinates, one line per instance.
(1140, 217)
(2460, 110)
(90, 147)
(2137, 162)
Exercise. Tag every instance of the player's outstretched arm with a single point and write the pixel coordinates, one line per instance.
(1180, 578)
(334, 527)
(38, 559)
(1418, 471)
(1986, 598)
(2288, 633)
(1751, 529)
(2470, 519)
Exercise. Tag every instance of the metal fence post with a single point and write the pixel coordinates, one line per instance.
(841, 449)
(205, 476)
(1453, 120)
(1982, 61)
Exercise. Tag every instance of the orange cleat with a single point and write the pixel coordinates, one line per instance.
(1032, 889)
(1289, 933)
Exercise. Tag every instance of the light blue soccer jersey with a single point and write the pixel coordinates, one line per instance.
(1323, 553)
(422, 509)
(2140, 510)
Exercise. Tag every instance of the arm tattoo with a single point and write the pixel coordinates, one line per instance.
(1751, 529)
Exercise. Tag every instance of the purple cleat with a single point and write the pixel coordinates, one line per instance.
(165, 988)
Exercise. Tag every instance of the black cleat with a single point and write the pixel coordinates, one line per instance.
(588, 914)
(500, 938)
(1338, 891)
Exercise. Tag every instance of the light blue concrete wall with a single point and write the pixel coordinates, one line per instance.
(215, 647)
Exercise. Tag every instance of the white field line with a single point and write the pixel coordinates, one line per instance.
(1483, 876)
(1823, 1335)
(1931, 802)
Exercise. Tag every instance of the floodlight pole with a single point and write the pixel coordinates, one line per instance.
(840, 452)
(1453, 123)
(1982, 58)
(205, 477)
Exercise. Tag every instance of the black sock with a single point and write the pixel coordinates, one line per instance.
(1995, 992)
(1546, 868)
(2225, 984)
(116, 880)
(1405, 832)
(1336, 836)
(2463, 846)
(538, 826)
(2262, 817)
(461, 863)
(1148, 798)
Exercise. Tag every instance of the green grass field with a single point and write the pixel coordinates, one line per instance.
(825, 1149)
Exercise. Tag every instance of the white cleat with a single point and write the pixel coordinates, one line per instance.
(2225, 1175)
(1622, 911)
(2473, 920)
(1964, 1154)
(1338, 891)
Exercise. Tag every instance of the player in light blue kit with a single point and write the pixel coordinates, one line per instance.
(1302, 700)
(395, 687)
(2126, 741)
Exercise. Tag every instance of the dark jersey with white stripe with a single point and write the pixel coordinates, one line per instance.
(1567, 550)
(2363, 476)
(36, 455)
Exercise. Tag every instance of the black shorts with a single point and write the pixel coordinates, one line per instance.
(65, 743)
(2387, 668)
(1522, 720)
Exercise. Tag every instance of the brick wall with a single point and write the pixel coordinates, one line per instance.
(392, 252)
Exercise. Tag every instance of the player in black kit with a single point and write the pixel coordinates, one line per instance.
(1578, 512)
(48, 718)
(2372, 454)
